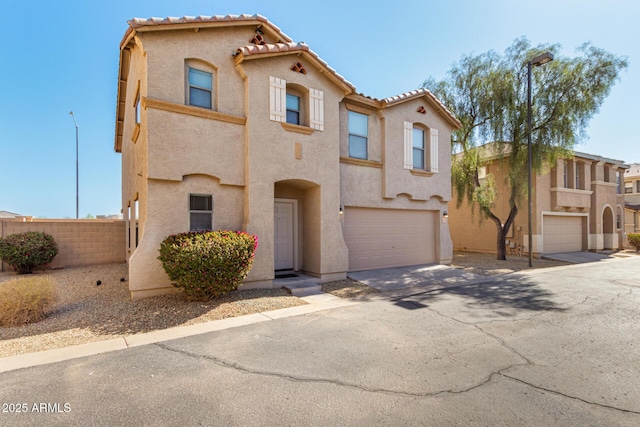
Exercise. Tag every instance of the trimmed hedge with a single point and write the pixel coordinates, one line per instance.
(24, 251)
(634, 240)
(208, 264)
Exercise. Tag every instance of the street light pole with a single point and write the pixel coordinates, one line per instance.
(77, 183)
(537, 61)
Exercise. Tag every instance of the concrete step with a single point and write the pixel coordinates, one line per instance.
(303, 289)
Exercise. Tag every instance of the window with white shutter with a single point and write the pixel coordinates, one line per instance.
(413, 147)
(316, 109)
(408, 145)
(277, 99)
(434, 150)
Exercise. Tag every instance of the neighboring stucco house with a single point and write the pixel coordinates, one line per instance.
(577, 205)
(224, 122)
(632, 199)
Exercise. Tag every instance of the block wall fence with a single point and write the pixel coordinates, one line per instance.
(81, 242)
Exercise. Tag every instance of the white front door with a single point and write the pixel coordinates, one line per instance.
(283, 235)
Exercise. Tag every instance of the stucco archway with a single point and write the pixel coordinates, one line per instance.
(608, 228)
(297, 210)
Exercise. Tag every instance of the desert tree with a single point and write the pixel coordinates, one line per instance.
(488, 94)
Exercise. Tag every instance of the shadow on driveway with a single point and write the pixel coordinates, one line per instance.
(500, 293)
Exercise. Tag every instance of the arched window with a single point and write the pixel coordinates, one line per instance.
(420, 147)
(200, 78)
(295, 104)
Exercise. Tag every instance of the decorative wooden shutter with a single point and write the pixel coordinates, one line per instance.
(316, 109)
(434, 150)
(408, 145)
(277, 99)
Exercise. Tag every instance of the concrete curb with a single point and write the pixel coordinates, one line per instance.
(317, 302)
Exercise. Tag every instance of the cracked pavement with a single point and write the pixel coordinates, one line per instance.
(554, 347)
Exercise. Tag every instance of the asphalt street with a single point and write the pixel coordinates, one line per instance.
(558, 347)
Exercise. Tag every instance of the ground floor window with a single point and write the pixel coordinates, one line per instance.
(200, 212)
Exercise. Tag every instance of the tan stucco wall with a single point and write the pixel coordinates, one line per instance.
(550, 197)
(272, 159)
(246, 160)
(80, 242)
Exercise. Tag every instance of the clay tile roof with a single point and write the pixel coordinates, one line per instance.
(418, 93)
(255, 49)
(137, 23)
(271, 48)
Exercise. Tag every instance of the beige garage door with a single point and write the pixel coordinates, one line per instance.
(381, 238)
(562, 234)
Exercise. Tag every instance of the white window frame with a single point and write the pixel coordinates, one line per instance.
(313, 100)
(432, 161)
(422, 149)
(365, 137)
(298, 111)
(203, 69)
(200, 211)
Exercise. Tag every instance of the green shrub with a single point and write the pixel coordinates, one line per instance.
(634, 240)
(208, 264)
(24, 251)
(25, 300)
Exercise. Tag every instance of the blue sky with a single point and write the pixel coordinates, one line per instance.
(62, 55)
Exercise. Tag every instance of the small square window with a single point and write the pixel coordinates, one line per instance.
(200, 88)
(293, 109)
(200, 212)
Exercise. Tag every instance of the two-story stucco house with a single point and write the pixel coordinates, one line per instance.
(632, 199)
(577, 205)
(224, 122)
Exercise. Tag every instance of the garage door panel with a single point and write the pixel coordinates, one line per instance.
(562, 234)
(380, 238)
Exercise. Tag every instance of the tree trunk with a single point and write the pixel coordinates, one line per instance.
(502, 231)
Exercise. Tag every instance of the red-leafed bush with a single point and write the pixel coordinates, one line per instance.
(208, 264)
(24, 251)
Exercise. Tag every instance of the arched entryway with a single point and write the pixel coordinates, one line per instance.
(297, 225)
(609, 228)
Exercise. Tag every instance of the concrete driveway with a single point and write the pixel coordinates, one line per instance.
(557, 347)
(420, 277)
(577, 257)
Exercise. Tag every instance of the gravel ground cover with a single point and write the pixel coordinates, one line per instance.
(85, 312)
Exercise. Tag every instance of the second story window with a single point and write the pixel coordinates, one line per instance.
(200, 88)
(418, 148)
(358, 135)
(293, 109)
(565, 174)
